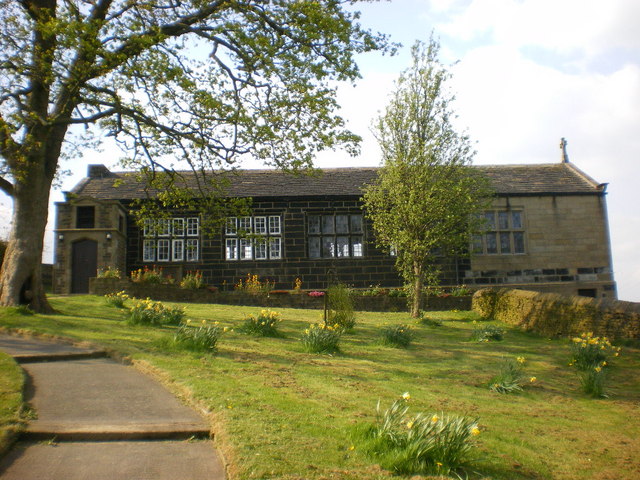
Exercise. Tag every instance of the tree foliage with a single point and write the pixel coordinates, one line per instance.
(189, 83)
(423, 203)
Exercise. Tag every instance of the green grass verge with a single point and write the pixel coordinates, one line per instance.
(11, 401)
(282, 413)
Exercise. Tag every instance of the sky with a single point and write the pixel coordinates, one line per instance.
(526, 73)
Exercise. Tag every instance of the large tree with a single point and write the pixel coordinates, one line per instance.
(196, 81)
(423, 202)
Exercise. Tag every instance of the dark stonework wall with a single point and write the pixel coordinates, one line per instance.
(374, 268)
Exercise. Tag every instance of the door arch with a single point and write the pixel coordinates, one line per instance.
(84, 264)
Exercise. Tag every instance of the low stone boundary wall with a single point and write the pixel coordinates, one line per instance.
(553, 314)
(173, 293)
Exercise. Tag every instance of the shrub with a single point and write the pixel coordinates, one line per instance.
(149, 312)
(460, 291)
(201, 338)
(264, 325)
(373, 291)
(109, 273)
(321, 338)
(397, 292)
(486, 333)
(434, 291)
(147, 275)
(253, 285)
(588, 351)
(192, 281)
(397, 335)
(340, 307)
(116, 299)
(420, 444)
(511, 377)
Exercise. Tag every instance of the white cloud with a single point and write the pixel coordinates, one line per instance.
(588, 26)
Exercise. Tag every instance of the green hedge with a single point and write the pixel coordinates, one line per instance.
(553, 314)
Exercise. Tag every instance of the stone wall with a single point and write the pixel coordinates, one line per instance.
(553, 314)
(567, 248)
(381, 303)
(373, 268)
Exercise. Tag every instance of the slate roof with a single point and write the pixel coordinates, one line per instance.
(539, 179)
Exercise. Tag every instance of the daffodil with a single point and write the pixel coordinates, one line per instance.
(410, 424)
(434, 419)
(520, 360)
(475, 431)
(532, 379)
(406, 396)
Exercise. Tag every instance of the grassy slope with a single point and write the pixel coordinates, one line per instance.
(282, 413)
(11, 387)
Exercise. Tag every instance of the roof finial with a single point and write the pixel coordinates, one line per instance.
(563, 146)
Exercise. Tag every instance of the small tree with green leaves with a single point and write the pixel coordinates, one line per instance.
(425, 201)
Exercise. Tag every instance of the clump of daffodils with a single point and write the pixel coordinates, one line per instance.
(588, 351)
(199, 337)
(397, 335)
(432, 444)
(511, 377)
(322, 338)
(264, 324)
(150, 312)
(116, 299)
(589, 355)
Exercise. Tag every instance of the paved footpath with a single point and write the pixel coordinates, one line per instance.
(100, 420)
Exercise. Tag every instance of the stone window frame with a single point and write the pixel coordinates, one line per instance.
(504, 234)
(171, 239)
(253, 238)
(335, 239)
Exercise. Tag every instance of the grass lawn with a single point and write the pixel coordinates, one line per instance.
(281, 413)
(11, 387)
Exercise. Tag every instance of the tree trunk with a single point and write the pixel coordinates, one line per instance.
(21, 276)
(416, 304)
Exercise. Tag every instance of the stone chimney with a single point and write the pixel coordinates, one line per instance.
(98, 171)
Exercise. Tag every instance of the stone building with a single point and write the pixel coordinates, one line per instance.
(547, 231)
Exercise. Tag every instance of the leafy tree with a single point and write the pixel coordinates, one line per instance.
(423, 202)
(192, 81)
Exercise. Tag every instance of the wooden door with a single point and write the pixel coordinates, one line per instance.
(84, 265)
